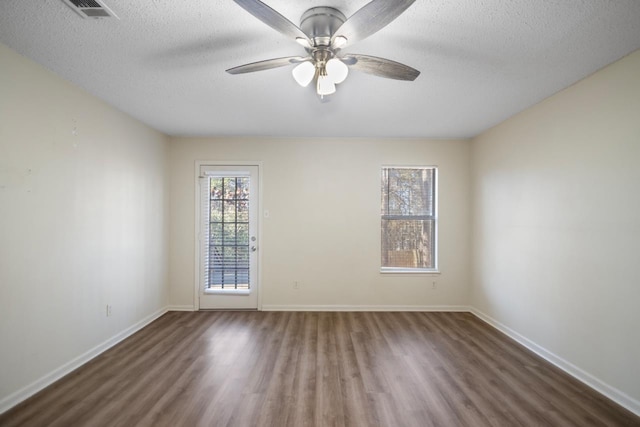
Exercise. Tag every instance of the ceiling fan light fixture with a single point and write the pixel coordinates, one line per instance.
(325, 86)
(304, 73)
(337, 70)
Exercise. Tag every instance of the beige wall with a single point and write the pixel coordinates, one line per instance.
(323, 196)
(82, 224)
(556, 227)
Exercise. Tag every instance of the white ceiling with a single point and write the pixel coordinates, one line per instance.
(163, 63)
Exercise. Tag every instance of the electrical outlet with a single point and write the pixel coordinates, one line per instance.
(296, 285)
(434, 285)
(109, 310)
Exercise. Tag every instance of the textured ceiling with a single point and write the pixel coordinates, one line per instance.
(163, 63)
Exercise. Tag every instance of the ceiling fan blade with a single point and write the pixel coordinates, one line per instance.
(272, 19)
(372, 17)
(380, 67)
(267, 64)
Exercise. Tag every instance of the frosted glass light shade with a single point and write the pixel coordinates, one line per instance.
(339, 42)
(303, 42)
(303, 73)
(337, 70)
(325, 86)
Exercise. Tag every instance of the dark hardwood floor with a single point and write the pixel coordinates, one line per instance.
(318, 369)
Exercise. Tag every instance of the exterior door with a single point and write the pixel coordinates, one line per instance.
(228, 237)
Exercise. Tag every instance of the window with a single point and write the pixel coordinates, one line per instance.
(408, 219)
(228, 233)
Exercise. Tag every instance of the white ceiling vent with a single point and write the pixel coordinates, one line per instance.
(91, 9)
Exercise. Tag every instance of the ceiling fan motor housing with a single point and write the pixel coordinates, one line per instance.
(320, 23)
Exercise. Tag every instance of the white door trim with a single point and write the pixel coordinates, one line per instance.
(196, 189)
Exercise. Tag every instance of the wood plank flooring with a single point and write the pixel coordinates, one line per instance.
(318, 369)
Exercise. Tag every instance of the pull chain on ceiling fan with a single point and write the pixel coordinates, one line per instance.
(324, 32)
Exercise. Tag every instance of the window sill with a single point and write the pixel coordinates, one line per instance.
(227, 292)
(409, 271)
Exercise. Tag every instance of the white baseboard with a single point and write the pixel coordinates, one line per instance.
(600, 386)
(31, 389)
(180, 308)
(365, 308)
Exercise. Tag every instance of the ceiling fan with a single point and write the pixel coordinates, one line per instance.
(324, 32)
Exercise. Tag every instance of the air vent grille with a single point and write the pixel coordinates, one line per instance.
(89, 3)
(90, 9)
(96, 13)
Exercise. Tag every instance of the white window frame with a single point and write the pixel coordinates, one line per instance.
(405, 270)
